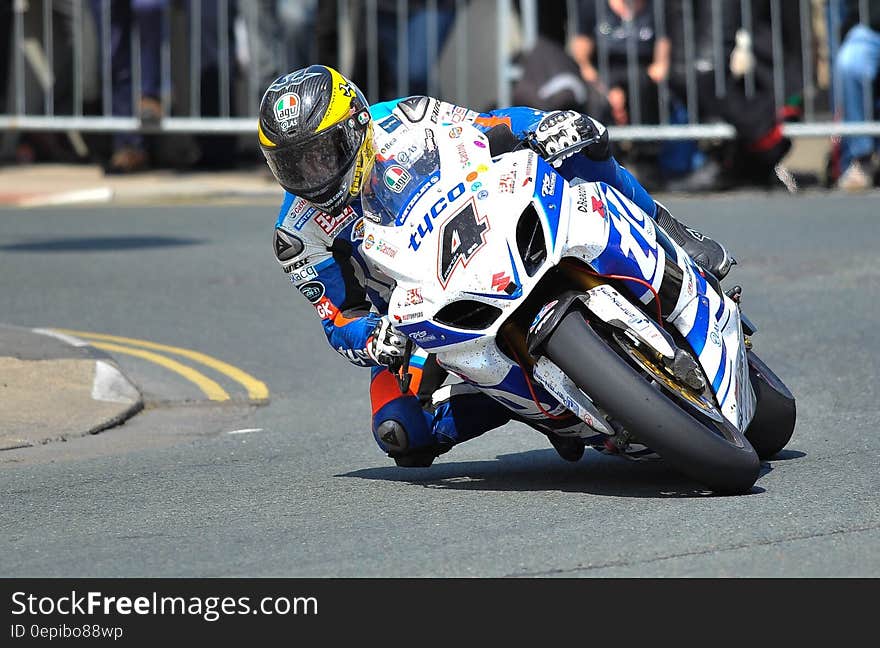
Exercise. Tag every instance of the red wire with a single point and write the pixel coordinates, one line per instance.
(555, 417)
(626, 278)
(525, 373)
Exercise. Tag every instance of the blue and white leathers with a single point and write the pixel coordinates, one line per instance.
(324, 258)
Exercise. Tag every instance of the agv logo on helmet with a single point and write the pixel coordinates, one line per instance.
(287, 110)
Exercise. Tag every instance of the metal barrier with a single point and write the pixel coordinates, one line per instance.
(71, 87)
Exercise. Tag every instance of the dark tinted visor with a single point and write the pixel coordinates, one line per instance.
(306, 168)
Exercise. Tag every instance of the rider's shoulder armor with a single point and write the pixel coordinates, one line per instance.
(428, 110)
(304, 234)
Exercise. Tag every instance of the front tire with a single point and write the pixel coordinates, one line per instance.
(653, 418)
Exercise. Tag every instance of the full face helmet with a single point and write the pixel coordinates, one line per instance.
(316, 134)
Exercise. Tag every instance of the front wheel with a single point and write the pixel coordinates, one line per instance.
(726, 465)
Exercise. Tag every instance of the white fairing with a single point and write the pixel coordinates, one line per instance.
(456, 239)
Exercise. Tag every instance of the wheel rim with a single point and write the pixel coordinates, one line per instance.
(702, 403)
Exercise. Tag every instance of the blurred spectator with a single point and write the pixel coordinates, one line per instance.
(129, 153)
(551, 80)
(611, 26)
(856, 71)
(747, 58)
(420, 17)
(280, 37)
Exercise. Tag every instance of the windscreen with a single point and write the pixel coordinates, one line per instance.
(405, 168)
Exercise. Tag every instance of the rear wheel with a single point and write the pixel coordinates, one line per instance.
(773, 424)
(713, 452)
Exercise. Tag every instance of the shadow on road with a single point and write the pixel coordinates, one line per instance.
(543, 470)
(98, 244)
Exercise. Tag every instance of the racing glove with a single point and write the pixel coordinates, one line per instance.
(385, 346)
(563, 133)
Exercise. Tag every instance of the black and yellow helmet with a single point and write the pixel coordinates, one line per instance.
(316, 133)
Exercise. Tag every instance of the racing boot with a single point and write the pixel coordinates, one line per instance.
(706, 253)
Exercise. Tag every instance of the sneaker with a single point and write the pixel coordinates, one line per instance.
(855, 178)
(127, 160)
(706, 253)
(569, 448)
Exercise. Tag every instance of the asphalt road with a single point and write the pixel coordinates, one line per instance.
(306, 492)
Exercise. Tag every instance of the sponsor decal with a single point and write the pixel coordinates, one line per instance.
(337, 195)
(287, 110)
(369, 242)
(479, 144)
(715, 338)
(455, 132)
(427, 225)
(540, 318)
(325, 309)
(363, 117)
(598, 206)
(483, 195)
(304, 219)
(482, 168)
(582, 202)
(507, 182)
(463, 158)
(303, 274)
(331, 224)
(313, 291)
(413, 297)
(408, 317)
(386, 248)
(470, 177)
(500, 281)
(548, 185)
(390, 124)
(401, 219)
(357, 232)
(476, 186)
(422, 336)
(387, 146)
(460, 114)
(530, 164)
(396, 178)
(297, 264)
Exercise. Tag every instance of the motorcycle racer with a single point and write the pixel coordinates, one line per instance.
(320, 139)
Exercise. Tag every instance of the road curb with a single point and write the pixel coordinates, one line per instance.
(57, 387)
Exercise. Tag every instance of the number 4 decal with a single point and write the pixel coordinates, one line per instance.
(461, 237)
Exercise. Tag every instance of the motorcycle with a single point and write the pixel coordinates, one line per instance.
(568, 304)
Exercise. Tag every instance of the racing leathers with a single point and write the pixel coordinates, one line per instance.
(323, 257)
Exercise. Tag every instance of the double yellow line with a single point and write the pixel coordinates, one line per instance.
(256, 389)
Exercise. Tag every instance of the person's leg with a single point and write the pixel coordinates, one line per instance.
(149, 16)
(856, 68)
(414, 431)
(128, 148)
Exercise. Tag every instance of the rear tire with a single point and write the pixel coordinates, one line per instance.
(775, 413)
(652, 417)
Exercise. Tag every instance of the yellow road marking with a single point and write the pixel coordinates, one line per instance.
(212, 390)
(256, 389)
